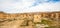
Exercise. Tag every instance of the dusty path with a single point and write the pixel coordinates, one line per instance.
(12, 24)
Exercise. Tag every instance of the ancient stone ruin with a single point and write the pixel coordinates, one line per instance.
(28, 20)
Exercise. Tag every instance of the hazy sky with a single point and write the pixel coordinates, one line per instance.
(23, 6)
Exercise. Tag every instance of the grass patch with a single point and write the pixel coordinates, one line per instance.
(46, 22)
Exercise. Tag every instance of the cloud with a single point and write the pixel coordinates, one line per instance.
(14, 5)
(24, 6)
(37, 2)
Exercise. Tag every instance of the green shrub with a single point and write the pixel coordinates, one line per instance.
(46, 22)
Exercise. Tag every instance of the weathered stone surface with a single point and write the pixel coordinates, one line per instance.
(25, 20)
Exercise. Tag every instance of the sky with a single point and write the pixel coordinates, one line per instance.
(26, 6)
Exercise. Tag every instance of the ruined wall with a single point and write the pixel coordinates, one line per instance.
(28, 17)
(23, 15)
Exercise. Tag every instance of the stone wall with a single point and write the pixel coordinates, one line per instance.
(27, 19)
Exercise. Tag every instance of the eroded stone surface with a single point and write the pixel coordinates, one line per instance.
(27, 20)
